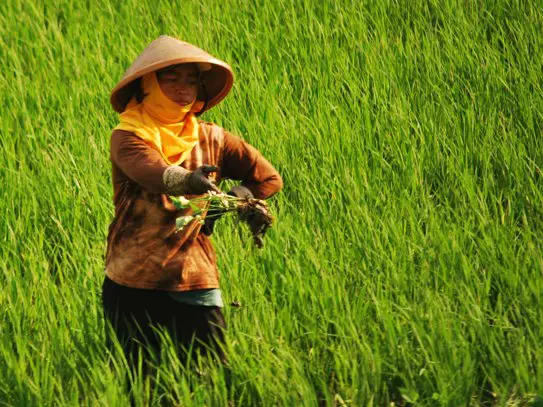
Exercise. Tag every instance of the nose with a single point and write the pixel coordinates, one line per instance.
(183, 88)
(180, 86)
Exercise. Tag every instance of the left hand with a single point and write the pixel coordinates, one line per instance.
(238, 191)
(258, 218)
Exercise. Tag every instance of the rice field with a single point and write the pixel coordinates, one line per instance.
(406, 262)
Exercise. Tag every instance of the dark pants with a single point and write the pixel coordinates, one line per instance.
(136, 315)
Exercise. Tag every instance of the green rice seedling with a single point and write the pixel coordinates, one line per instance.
(406, 258)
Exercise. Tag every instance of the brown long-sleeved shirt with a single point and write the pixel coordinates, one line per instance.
(143, 248)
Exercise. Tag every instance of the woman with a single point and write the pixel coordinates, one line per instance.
(157, 277)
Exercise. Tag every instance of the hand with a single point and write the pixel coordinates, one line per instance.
(198, 182)
(258, 218)
(212, 216)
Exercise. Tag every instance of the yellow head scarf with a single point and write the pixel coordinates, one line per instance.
(166, 126)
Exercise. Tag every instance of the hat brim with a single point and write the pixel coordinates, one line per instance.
(218, 79)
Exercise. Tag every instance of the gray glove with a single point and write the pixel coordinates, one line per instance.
(179, 181)
(239, 191)
(198, 183)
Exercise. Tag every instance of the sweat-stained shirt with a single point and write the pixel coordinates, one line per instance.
(144, 250)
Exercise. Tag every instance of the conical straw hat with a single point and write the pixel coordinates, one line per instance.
(166, 51)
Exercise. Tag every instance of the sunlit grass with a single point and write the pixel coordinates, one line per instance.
(406, 260)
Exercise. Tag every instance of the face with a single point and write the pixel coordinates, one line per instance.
(179, 83)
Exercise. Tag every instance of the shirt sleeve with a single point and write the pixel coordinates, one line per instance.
(243, 162)
(138, 161)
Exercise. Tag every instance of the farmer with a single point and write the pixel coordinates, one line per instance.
(157, 278)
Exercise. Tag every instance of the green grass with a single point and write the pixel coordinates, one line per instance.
(406, 263)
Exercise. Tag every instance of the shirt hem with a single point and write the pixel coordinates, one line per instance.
(150, 286)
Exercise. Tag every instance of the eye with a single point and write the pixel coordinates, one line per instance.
(167, 77)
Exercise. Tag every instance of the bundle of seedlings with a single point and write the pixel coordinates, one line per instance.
(213, 205)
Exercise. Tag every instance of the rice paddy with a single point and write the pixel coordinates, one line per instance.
(405, 264)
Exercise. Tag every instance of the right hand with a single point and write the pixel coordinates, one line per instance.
(198, 182)
(215, 214)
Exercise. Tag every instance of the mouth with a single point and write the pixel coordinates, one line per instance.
(185, 99)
